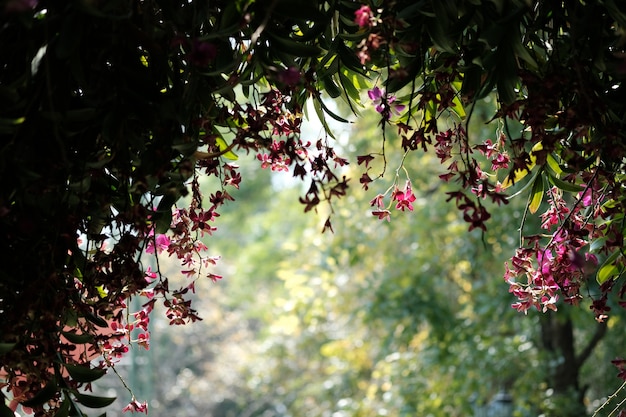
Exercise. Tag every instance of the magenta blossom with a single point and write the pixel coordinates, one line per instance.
(290, 76)
(202, 53)
(382, 214)
(384, 102)
(161, 243)
(363, 17)
(404, 198)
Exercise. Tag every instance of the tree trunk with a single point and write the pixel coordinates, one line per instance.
(566, 398)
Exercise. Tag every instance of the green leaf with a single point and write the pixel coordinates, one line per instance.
(564, 185)
(295, 48)
(597, 244)
(349, 87)
(84, 373)
(608, 269)
(93, 401)
(527, 185)
(9, 125)
(186, 148)
(6, 347)
(536, 195)
(98, 321)
(302, 9)
(163, 215)
(223, 146)
(457, 107)
(349, 58)
(519, 173)
(4, 410)
(319, 110)
(330, 87)
(554, 165)
(332, 114)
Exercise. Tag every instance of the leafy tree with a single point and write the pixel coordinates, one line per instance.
(113, 111)
(409, 316)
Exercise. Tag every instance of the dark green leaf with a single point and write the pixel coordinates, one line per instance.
(597, 244)
(6, 347)
(349, 87)
(70, 36)
(349, 58)
(98, 321)
(330, 87)
(84, 373)
(4, 410)
(93, 401)
(563, 185)
(163, 216)
(440, 38)
(332, 114)
(293, 47)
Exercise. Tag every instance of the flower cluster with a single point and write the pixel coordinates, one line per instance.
(553, 144)
(402, 198)
(364, 17)
(558, 267)
(136, 407)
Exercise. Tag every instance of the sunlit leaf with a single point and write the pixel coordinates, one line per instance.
(536, 195)
(609, 269)
(554, 165)
(520, 173)
(224, 149)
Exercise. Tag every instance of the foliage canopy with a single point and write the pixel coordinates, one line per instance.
(112, 111)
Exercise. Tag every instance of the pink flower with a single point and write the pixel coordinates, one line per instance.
(384, 102)
(161, 242)
(378, 201)
(382, 214)
(214, 277)
(404, 198)
(136, 407)
(200, 221)
(363, 17)
(150, 275)
(266, 160)
(501, 161)
(143, 340)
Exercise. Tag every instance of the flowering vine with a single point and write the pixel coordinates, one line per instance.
(112, 113)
